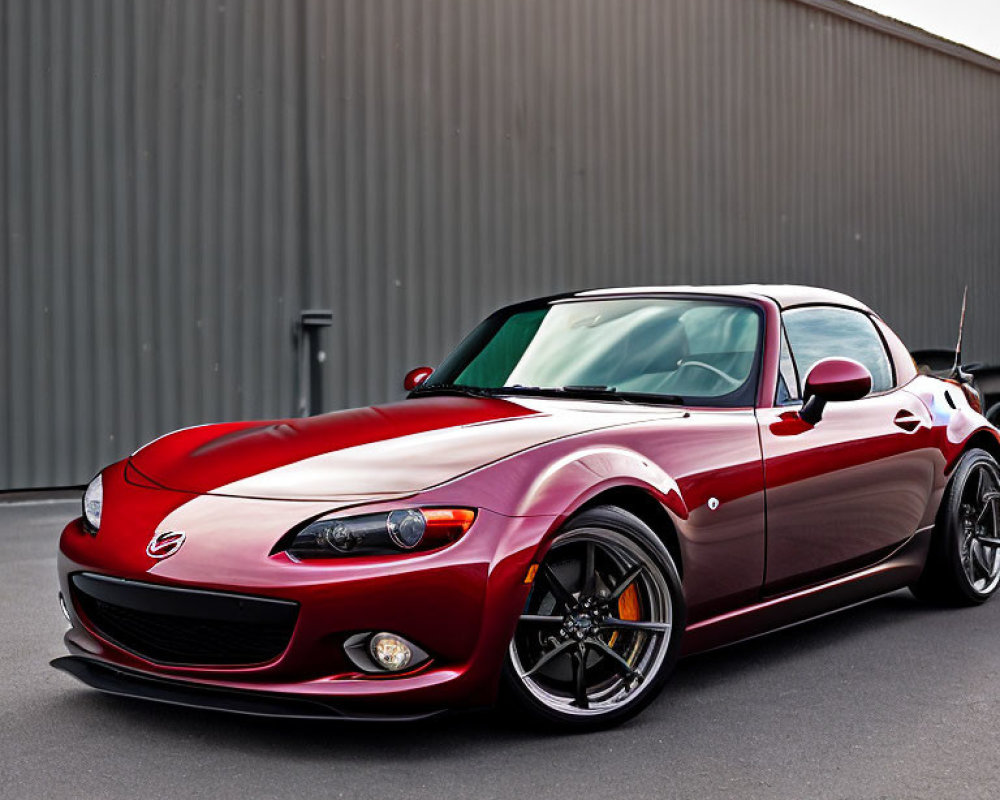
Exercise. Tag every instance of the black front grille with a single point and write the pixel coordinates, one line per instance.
(172, 625)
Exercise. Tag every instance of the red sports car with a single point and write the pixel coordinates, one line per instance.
(589, 487)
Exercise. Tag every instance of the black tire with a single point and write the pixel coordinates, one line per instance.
(961, 569)
(585, 686)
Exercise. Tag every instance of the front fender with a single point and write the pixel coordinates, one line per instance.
(572, 480)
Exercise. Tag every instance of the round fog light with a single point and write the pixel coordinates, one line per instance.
(390, 652)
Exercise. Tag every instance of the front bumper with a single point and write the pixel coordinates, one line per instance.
(115, 680)
(459, 604)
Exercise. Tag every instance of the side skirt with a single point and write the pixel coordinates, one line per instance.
(900, 569)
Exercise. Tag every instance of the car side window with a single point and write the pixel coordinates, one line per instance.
(788, 381)
(819, 332)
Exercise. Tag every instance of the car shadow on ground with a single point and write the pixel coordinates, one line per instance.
(722, 671)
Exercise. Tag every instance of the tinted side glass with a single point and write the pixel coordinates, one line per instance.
(818, 333)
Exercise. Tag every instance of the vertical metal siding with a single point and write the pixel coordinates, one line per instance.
(179, 178)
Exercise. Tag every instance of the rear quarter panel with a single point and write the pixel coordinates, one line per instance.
(955, 425)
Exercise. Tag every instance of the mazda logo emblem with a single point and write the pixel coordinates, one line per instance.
(165, 544)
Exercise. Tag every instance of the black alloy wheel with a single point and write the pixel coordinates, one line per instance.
(963, 565)
(599, 633)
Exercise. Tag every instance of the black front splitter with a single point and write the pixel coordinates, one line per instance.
(124, 682)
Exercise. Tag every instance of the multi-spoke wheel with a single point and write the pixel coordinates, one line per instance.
(598, 634)
(963, 565)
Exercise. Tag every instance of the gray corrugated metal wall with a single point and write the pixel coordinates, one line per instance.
(180, 178)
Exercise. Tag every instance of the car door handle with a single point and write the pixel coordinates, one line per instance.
(907, 421)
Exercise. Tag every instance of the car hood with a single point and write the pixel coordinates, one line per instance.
(366, 453)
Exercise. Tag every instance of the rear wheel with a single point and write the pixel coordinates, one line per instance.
(599, 633)
(963, 566)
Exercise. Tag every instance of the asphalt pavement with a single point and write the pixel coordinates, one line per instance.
(886, 700)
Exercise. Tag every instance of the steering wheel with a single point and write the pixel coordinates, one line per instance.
(729, 380)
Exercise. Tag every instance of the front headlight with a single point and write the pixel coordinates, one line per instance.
(93, 501)
(390, 532)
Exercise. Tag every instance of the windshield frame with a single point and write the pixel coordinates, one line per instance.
(441, 380)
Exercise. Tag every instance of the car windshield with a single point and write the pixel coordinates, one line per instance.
(691, 351)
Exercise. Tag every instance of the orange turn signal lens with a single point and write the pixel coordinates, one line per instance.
(461, 518)
(446, 525)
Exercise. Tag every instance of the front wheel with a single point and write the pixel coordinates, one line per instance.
(600, 631)
(963, 565)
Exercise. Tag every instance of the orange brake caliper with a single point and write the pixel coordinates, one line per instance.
(628, 608)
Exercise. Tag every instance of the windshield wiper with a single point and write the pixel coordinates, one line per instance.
(594, 392)
(454, 388)
(589, 387)
(581, 391)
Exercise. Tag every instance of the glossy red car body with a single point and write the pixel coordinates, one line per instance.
(771, 520)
